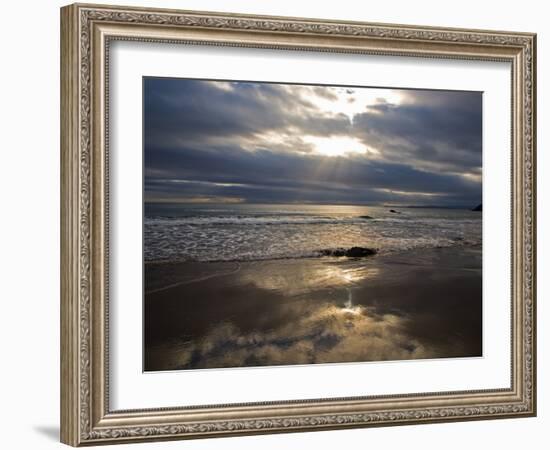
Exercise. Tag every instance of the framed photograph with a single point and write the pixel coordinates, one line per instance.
(276, 224)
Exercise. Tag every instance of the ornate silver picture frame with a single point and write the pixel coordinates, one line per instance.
(87, 32)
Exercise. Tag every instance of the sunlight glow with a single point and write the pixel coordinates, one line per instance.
(212, 199)
(336, 146)
(475, 177)
(352, 101)
(411, 193)
(223, 85)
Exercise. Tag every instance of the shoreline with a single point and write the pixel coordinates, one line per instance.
(322, 253)
(418, 304)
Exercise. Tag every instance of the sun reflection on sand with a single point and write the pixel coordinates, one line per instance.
(326, 333)
(327, 310)
(328, 329)
(353, 309)
(296, 281)
(349, 307)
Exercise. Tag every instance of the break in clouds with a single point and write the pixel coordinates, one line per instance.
(218, 142)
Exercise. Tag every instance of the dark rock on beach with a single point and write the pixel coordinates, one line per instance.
(477, 208)
(394, 211)
(353, 252)
(358, 252)
(366, 217)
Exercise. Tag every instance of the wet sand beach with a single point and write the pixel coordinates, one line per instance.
(412, 305)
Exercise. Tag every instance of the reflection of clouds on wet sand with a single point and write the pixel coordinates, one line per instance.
(326, 334)
(317, 311)
(300, 279)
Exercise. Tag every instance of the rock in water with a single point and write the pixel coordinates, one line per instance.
(353, 252)
(365, 217)
(394, 211)
(359, 252)
(334, 252)
(477, 208)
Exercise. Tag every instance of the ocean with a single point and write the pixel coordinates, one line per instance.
(251, 232)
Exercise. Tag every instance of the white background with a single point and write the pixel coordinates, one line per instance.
(29, 238)
(132, 389)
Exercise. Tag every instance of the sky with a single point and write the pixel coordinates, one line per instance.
(249, 142)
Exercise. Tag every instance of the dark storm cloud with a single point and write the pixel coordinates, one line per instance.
(245, 141)
(440, 130)
(282, 177)
(178, 110)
